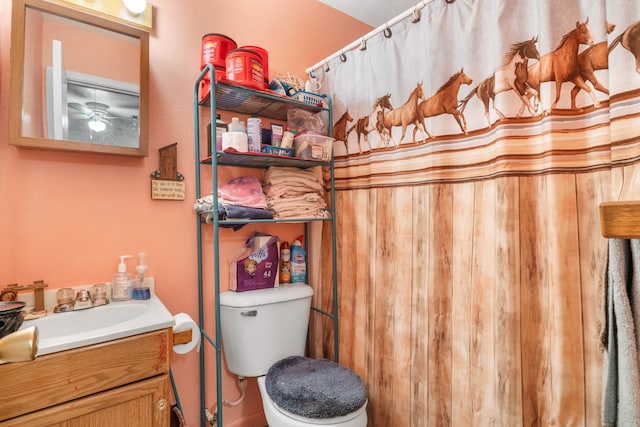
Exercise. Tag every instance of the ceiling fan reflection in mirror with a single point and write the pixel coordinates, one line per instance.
(87, 108)
(97, 116)
(102, 115)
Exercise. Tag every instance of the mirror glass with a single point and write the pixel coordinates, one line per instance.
(82, 81)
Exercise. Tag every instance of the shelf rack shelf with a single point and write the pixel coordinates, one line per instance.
(237, 99)
(260, 160)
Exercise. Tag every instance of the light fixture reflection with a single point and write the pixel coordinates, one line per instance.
(97, 125)
(135, 7)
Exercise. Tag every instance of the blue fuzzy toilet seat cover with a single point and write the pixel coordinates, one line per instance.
(315, 388)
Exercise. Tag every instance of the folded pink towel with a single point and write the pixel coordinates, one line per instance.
(243, 191)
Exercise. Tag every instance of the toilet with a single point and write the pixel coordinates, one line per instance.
(264, 333)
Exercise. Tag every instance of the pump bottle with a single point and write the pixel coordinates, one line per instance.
(121, 289)
(139, 290)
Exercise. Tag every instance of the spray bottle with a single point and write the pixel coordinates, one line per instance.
(285, 263)
(298, 262)
(139, 290)
(121, 282)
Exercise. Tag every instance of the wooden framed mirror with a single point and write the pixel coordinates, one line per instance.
(79, 81)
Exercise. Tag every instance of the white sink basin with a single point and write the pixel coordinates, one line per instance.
(118, 319)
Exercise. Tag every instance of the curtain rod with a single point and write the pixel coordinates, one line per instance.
(384, 28)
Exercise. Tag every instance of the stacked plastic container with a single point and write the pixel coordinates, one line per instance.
(215, 48)
(254, 134)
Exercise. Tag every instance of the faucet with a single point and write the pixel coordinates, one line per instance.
(83, 300)
(10, 293)
(65, 300)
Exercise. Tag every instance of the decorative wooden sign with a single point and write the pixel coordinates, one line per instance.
(167, 183)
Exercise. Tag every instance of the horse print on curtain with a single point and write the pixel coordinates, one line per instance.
(488, 99)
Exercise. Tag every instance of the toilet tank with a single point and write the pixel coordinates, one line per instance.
(260, 327)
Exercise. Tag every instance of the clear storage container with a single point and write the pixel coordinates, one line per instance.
(313, 146)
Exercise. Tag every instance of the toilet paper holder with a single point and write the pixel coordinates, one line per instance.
(186, 334)
(182, 337)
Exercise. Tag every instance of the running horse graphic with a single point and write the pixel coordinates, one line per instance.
(340, 132)
(590, 60)
(366, 124)
(401, 116)
(445, 100)
(504, 79)
(561, 65)
(630, 40)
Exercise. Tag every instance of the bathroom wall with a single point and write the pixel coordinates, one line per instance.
(65, 217)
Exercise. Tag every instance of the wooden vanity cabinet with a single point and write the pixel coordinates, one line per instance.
(118, 383)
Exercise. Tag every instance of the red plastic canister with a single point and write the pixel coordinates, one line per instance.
(245, 68)
(215, 48)
(205, 84)
(265, 60)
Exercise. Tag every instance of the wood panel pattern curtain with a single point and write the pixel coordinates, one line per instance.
(475, 146)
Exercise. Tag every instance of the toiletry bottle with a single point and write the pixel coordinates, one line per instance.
(298, 262)
(287, 139)
(254, 134)
(139, 290)
(121, 283)
(221, 127)
(285, 263)
(236, 125)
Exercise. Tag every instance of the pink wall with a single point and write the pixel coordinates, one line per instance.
(65, 217)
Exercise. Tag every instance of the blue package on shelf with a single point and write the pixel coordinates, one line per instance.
(278, 151)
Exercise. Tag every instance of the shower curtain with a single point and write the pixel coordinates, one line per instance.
(474, 143)
(484, 89)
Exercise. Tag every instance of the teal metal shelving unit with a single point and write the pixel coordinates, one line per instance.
(242, 100)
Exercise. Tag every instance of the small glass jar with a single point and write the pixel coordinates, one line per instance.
(65, 299)
(99, 293)
(65, 296)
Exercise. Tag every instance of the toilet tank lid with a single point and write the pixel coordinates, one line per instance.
(281, 293)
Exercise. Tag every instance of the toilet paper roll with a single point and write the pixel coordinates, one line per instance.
(236, 140)
(184, 322)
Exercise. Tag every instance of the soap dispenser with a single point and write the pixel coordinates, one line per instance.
(139, 290)
(121, 283)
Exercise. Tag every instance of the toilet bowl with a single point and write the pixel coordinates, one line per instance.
(264, 335)
(279, 417)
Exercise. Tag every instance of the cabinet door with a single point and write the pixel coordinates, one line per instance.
(141, 404)
(57, 378)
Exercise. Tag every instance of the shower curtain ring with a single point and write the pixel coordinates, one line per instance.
(363, 44)
(416, 15)
(343, 57)
(387, 32)
(311, 74)
(326, 67)
(450, 1)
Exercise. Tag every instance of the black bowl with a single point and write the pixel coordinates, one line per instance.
(10, 316)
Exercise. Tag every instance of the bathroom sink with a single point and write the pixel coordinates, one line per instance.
(118, 319)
